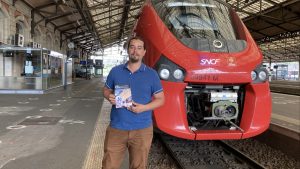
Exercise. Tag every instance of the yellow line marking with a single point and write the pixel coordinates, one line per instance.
(94, 155)
(287, 119)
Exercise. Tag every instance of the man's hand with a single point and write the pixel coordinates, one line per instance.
(157, 101)
(112, 99)
(137, 108)
(108, 94)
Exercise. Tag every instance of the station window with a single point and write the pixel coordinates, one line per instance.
(2, 26)
(19, 28)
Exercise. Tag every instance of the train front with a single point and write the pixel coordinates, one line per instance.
(210, 68)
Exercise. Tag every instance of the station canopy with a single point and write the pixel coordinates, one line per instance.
(98, 24)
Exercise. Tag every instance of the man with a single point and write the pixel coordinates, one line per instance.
(131, 127)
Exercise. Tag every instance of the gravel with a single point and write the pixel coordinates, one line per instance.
(264, 154)
(158, 157)
(260, 152)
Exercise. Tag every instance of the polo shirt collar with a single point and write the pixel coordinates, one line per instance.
(141, 69)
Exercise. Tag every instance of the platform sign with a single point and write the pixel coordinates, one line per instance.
(89, 62)
(99, 63)
(83, 62)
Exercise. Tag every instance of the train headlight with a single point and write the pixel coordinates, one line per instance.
(168, 70)
(178, 74)
(253, 75)
(262, 75)
(259, 74)
(164, 73)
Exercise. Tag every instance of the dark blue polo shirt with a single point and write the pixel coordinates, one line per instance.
(144, 83)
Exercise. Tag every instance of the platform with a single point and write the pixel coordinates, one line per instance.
(65, 129)
(285, 111)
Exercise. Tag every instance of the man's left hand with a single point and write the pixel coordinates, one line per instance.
(137, 108)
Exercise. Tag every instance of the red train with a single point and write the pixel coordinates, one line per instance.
(210, 69)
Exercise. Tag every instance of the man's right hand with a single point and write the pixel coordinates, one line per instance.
(112, 99)
(108, 94)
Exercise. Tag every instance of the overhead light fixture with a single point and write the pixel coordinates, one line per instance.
(71, 45)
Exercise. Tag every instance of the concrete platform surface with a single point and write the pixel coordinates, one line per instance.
(49, 131)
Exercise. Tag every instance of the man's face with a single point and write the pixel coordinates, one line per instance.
(136, 50)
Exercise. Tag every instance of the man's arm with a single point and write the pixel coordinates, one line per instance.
(108, 94)
(158, 100)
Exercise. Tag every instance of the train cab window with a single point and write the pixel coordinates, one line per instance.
(199, 23)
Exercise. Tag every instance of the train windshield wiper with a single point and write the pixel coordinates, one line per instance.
(187, 29)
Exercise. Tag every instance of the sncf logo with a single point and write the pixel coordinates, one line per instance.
(209, 61)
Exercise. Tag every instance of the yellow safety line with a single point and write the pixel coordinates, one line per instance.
(94, 155)
(287, 119)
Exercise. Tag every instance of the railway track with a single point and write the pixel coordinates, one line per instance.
(241, 156)
(189, 154)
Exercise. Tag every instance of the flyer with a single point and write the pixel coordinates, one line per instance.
(123, 96)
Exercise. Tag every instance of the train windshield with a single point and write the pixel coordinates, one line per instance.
(196, 23)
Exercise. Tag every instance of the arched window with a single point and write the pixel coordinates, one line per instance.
(57, 44)
(37, 36)
(63, 46)
(19, 38)
(49, 41)
(3, 26)
(20, 27)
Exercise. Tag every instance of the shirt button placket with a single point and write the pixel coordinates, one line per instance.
(130, 80)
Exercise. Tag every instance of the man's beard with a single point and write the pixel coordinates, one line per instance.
(132, 59)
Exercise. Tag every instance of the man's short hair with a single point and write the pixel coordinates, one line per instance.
(136, 38)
